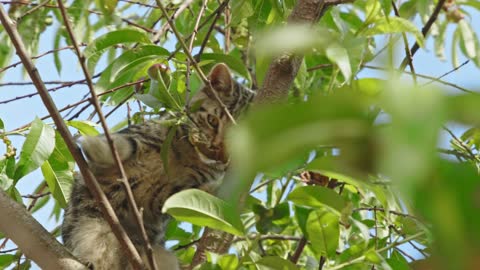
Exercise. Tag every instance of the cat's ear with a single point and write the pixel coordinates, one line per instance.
(221, 79)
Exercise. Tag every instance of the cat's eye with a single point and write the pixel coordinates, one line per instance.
(212, 121)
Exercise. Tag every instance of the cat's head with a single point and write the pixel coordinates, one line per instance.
(209, 116)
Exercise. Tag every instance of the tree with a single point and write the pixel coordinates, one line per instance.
(330, 169)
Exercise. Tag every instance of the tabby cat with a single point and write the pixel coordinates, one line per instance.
(196, 159)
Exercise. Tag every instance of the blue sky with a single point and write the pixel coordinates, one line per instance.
(20, 112)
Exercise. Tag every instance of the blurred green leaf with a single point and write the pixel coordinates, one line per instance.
(200, 208)
(274, 263)
(468, 38)
(38, 146)
(317, 196)
(294, 38)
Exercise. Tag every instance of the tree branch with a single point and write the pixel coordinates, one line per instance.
(32, 238)
(425, 30)
(134, 259)
(89, 178)
(284, 68)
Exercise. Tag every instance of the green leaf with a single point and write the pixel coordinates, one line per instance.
(200, 208)
(134, 57)
(53, 182)
(5, 181)
(95, 49)
(107, 6)
(7, 259)
(373, 257)
(58, 171)
(232, 62)
(397, 261)
(241, 9)
(85, 127)
(317, 196)
(393, 25)
(323, 232)
(2, 126)
(275, 263)
(468, 38)
(339, 56)
(372, 9)
(38, 146)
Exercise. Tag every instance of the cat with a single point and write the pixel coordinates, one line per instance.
(196, 159)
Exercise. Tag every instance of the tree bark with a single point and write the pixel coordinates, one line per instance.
(34, 241)
(284, 68)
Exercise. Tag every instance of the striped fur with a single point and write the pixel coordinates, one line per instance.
(196, 159)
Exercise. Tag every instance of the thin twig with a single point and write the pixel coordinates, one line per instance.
(207, 36)
(430, 78)
(38, 56)
(89, 178)
(383, 210)
(32, 10)
(36, 196)
(209, 17)
(269, 237)
(8, 250)
(83, 101)
(425, 30)
(137, 216)
(298, 251)
(462, 145)
(447, 73)
(194, 63)
(177, 13)
(64, 85)
(405, 44)
(190, 49)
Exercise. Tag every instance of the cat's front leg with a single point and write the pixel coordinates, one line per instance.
(98, 152)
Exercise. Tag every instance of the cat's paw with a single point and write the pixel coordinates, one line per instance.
(98, 152)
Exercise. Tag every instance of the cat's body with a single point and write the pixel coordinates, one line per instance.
(196, 159)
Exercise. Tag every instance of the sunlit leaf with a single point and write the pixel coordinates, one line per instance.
(135, 57)
(95, 49)
(393, 25)
(200, 208)
(85, 127)
(323, 232)
(38, 146)
(339, 56)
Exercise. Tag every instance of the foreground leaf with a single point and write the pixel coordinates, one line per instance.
(316, 196)
(202, 209)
